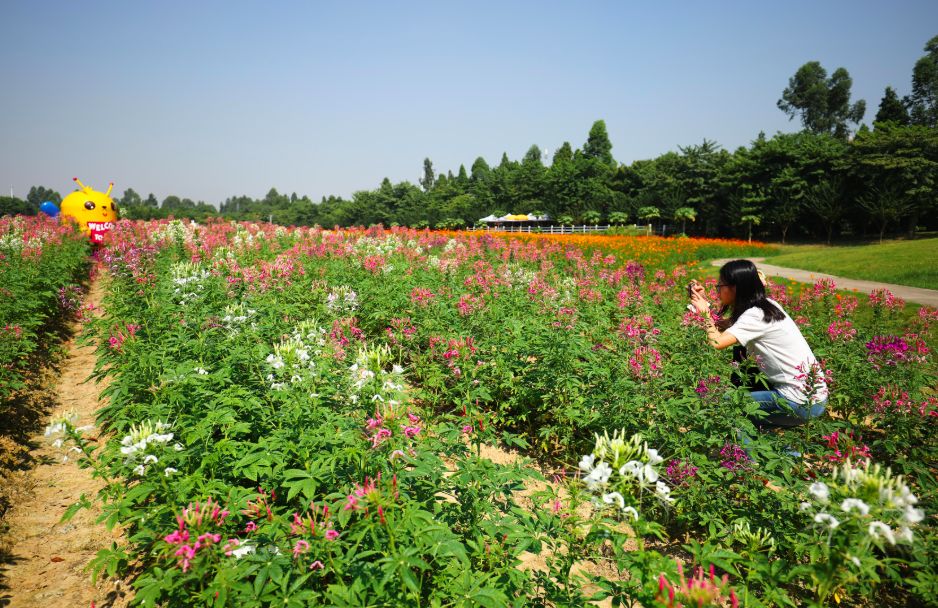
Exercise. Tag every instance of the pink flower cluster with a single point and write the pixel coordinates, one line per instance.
(705, 387)
(638, 329)
(890, 351)
(421, 296)
(699, 590)
(196, 518)
(735, 458)
(680, 472)
(116, 341)
(845, 445)
(645, 363)
(883, 298)
(891, 399)
(841, 331)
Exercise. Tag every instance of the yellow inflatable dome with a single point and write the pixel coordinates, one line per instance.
(94, 211)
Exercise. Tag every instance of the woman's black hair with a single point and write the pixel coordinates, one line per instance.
(750, 291)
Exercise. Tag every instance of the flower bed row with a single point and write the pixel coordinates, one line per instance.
(297, 415)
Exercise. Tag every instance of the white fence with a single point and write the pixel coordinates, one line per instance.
(560, 229)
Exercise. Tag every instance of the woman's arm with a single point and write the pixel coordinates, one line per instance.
(718, 339)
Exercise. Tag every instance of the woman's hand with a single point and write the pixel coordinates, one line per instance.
(697, 298)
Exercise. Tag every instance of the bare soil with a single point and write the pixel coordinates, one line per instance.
(42, 561)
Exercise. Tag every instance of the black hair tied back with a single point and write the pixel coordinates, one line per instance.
(750, 291)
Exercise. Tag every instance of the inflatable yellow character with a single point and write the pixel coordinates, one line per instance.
(94, 211)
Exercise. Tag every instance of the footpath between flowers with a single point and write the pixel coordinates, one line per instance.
(44, 560)
(918, 295)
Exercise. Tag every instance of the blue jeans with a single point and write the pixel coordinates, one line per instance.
(777, 407)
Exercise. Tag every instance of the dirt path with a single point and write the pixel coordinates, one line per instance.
(917, 295)
(44, 560)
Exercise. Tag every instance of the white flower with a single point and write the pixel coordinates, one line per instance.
(855, 503)
(586, 463)
(913, 515)
(243, 550)
(653, 457)
(826, 518)
(57, 443)
(599, 476)
(201, 371)
(648, 474)
(631, 469)
(178, 447)
(614, 497)
(663, 491)
(149, 458)
(855, 560)
(631, 511)
(805, 506)
(128, 440)
(140, 470)
(905, 534)
(169, 471)
(819, 491)
(879, 530)
(397, 369)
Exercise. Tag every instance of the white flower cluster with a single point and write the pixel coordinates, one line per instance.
(342, 300)
(517, 276)
(139, 446)
(637, 467)
(371, 381)
(188, 279)
(385, 246)
(237, 315)
(177, 231)
(61, 426)
(294, 359)
(869, 496)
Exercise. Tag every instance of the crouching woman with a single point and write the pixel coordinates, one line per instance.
(761, 326)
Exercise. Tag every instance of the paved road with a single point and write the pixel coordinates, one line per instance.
(909, 294)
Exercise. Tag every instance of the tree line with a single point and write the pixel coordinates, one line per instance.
(835, 177)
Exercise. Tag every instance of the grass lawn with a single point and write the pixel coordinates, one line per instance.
(913, 263)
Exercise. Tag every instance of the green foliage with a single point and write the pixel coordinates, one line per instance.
(822, 103)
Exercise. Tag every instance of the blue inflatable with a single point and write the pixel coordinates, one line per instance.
(49, 208)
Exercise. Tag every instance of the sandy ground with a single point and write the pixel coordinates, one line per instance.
(917, 295)
(42, 561)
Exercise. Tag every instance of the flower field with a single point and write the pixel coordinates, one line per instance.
(298, 416)
(41, 264)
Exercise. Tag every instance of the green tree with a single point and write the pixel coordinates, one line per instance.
(788, 190)
(40, 194)
(885, 205)
(826, 200)
(11, 205)
(129, 199)
(428, 180)
(151, 201)
(598, 146)
(924, 98)
(591, 217)
(904, 157)
(683, 214)
(617, 218)
(822, 103)
(892, 109)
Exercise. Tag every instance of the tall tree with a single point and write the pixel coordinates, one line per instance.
(151, 201)
(924, 98)
(40, 194)
(822, 103)
(892, 109)
(130, 198)
(598, 146)
(428, 178)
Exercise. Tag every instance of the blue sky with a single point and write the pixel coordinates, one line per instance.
(214, 99)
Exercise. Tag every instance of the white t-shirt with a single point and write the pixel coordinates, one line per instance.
(781, 352)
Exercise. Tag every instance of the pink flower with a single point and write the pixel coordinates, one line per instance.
(300, 548)
(410, 431)
(250, 527)
(316, 565)
(467, 429)
(331, 534)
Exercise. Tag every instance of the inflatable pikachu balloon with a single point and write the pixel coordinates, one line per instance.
(94, 211)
